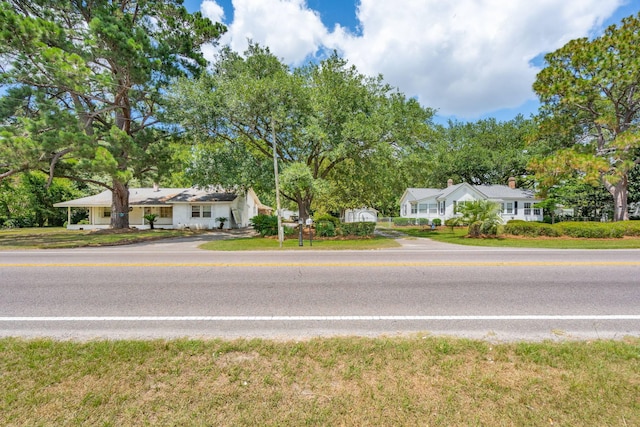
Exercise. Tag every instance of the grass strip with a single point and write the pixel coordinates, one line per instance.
(60, 238)
(418, 380)
(268, 244)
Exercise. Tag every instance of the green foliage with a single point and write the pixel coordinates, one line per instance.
(325, 228)
(326, 217)
(336, 130)
(591, 230)
(151, 219)
(402, 222)
(481, 153)
(26, 201)
(482, 216)
(437, 222)
(590, 90)
(360, 229)
(83, 84)
(266, 225)
(530, 229)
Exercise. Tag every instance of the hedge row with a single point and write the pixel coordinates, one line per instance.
(328, 229)
(592, 230)
(401, 222)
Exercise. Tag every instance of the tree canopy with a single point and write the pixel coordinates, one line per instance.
(331, 126)
(83, 87)
(481, 153)
(590, 90)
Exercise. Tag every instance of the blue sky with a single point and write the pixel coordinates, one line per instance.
(469, 59)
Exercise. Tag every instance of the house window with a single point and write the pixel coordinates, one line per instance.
(198, 211)
(106, 212)
(442, 207)
(414, 208)
(433, 208)
(166, 212)
(508, 208)
(536, 211)
(527, 208)
(423, 207)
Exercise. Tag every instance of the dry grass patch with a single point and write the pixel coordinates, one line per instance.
(337, 381)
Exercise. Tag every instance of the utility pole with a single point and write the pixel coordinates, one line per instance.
(275, 172)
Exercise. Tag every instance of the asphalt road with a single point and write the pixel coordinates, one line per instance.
(172, 289)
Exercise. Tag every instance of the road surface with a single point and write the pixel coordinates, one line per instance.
(173, 289)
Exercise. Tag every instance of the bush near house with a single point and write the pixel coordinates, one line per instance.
(403, 222)
(590, 230)
(266, 225)
(326, 217)
(325, 229)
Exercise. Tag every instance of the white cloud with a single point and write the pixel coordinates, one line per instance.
(287, 27)
(464, 57)
(212, 10)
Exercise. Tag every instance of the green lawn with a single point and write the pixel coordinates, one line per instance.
(56, 237)
(418, 380)
(292, 243)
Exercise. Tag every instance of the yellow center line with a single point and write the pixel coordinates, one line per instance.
(339, 264)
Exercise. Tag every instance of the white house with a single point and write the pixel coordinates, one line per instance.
(175, 207)
(442, 203)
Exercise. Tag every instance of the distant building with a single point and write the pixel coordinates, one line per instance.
(443, 203)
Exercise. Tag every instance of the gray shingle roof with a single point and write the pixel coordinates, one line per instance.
(504, 192)
(490, 191)
(151, 196)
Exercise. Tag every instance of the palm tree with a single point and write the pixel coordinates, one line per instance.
(482, 216)
(151, 218)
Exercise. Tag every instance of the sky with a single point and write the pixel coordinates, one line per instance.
(468, 59)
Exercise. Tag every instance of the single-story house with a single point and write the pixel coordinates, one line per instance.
(360, 215)
(193, 207)
(442, 203)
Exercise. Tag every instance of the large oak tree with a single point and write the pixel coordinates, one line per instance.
(335, 129)
(83, 84)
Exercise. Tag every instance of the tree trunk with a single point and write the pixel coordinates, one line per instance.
(304, 206)
(120, 205)
(620, 192)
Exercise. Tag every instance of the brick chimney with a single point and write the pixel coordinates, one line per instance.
(512, 183)
(449, 182)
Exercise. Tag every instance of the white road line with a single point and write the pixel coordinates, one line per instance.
(307, 318)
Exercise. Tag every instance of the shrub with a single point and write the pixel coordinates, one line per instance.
(401, 222)
(590, 230)
(437, 222)
(325, 229)
(326, 217)
(357, 229)
(531, 229)
(266, 225)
